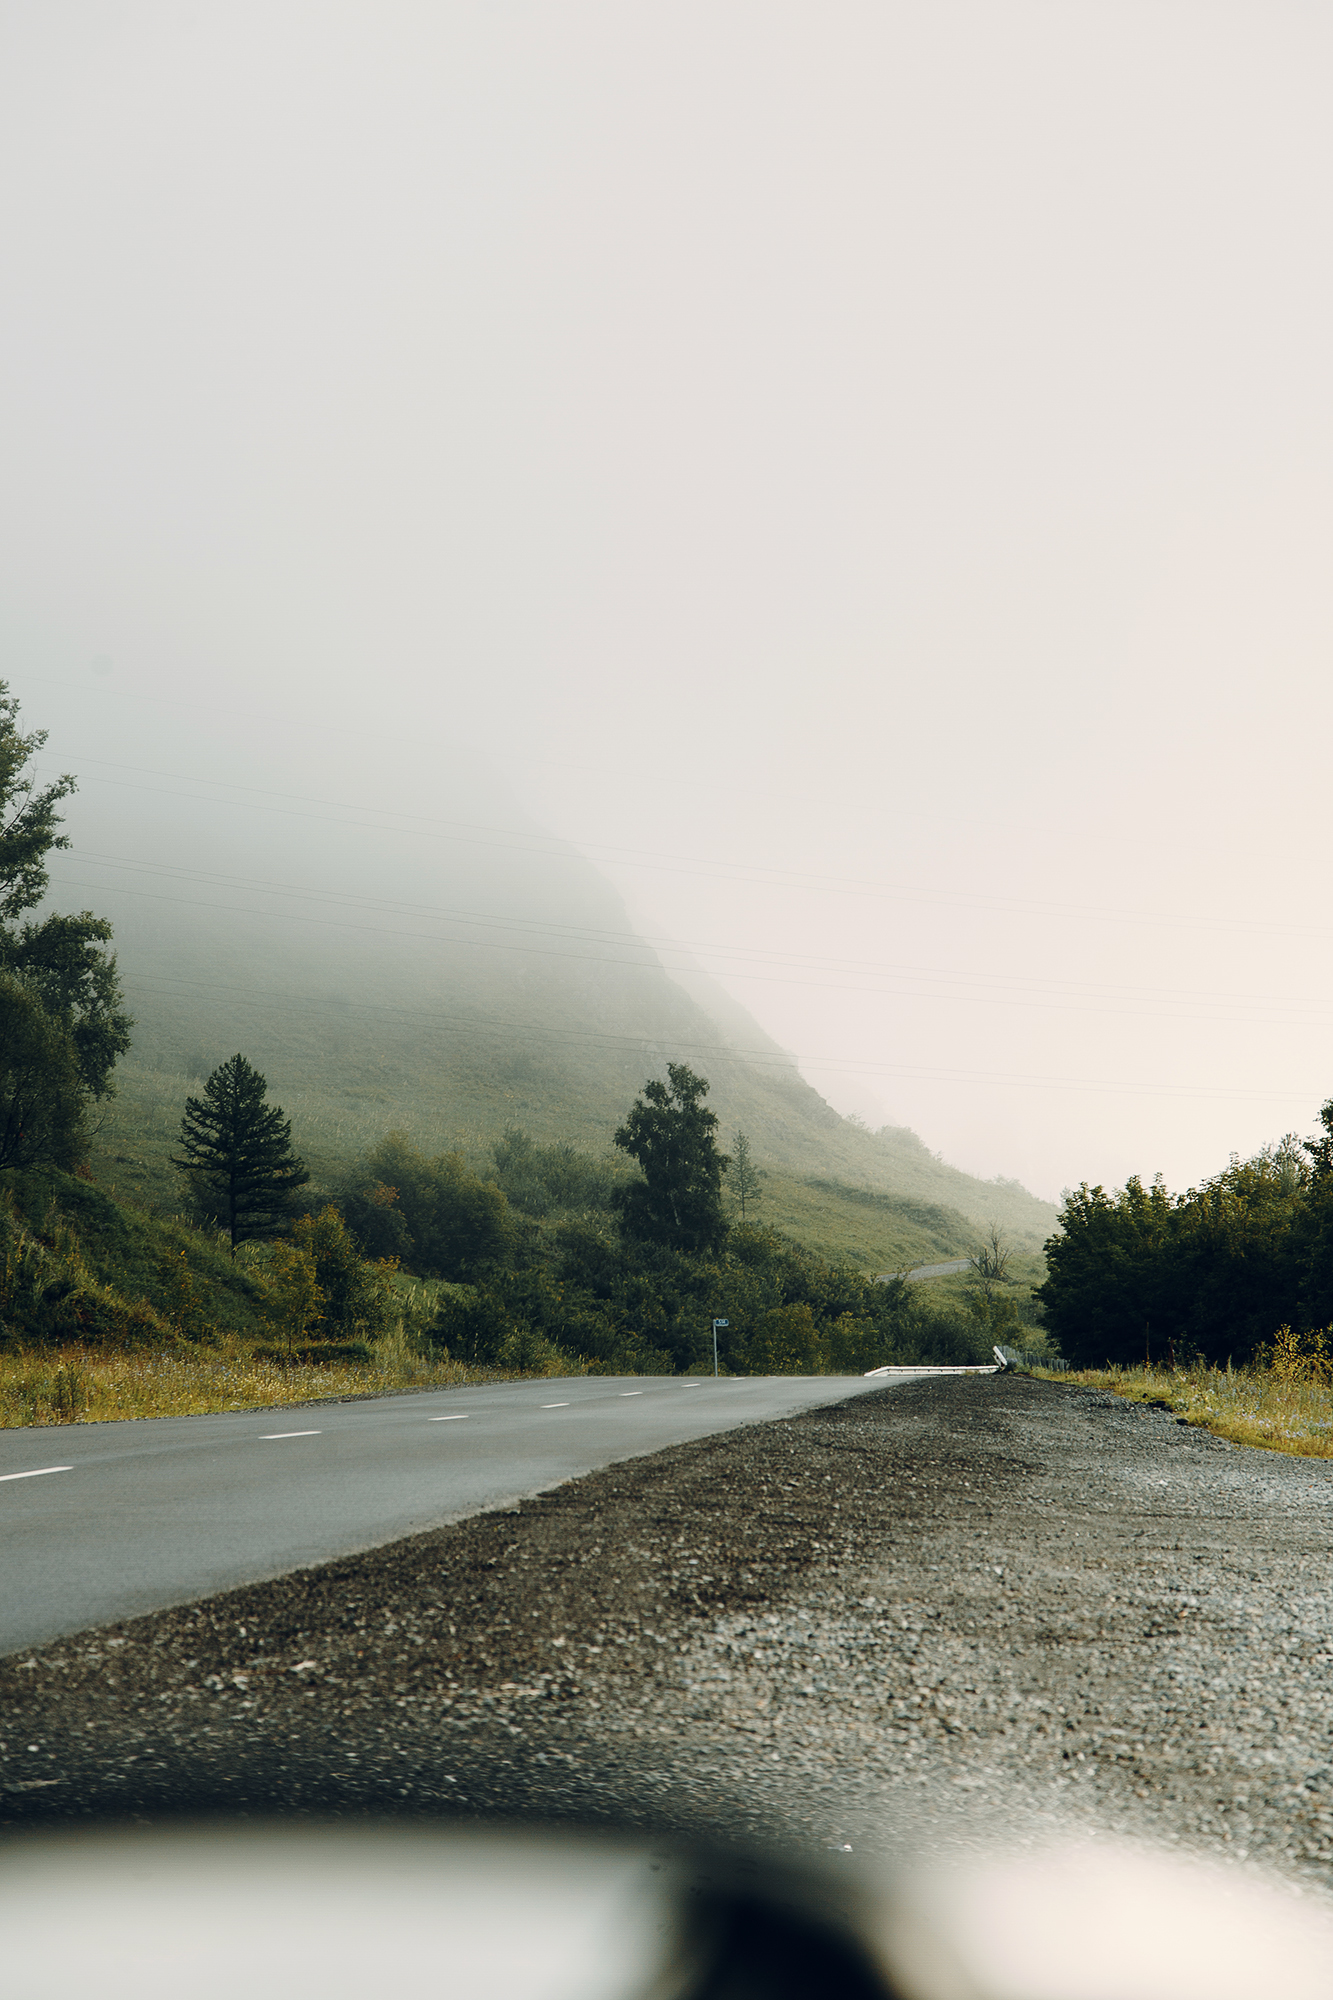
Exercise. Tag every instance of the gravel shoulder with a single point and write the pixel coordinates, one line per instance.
(961, 1611)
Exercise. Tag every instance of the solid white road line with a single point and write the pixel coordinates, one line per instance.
(39, 1472)
(454, 1417)
(266, 1437)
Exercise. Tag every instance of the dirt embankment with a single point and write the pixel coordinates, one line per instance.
(960, 1610)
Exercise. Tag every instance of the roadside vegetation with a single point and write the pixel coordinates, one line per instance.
(85, 1385)
(1282, 1401)
(1141, 1276)
(435, 1276)
(1217, 1303)
(415, 1272)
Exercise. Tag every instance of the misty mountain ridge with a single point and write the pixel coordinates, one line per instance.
(450, 977)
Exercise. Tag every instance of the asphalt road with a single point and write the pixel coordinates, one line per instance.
(926, 1271)
(100, 1522)
(959, 1615)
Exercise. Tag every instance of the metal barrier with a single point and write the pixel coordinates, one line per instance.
(1013, 1357)
(927, 1368)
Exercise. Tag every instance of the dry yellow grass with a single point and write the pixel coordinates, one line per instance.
(1278, 1408)
(80, 1385)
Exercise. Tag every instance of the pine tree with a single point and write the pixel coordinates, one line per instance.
(744, 1184)
(238, 1153)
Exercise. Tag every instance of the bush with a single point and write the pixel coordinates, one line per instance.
(531, 1353)
(786, 1341)
(293, 1301)
(357, 1297)
(1299, 1357)
(469, 1325)
(540, 1180)
(434, 1214)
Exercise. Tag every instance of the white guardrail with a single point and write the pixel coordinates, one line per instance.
(910, 1368)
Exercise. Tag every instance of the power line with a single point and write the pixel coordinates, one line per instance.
(1026, 1002)
(522, 840)
(753, 1058)
(544, 926)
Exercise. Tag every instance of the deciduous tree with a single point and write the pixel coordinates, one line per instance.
(42, 1097)
(357, 1295)
(678, 1202)
(434, 1214)
(63, 960)
(292, 1295)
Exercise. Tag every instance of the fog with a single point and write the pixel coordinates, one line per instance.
(859, 475)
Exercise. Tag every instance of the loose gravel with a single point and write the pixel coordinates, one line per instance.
(957, 1612)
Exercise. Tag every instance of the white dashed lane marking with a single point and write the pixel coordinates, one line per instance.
(555, 1406)
(267, 1437)
(38, 1472)
(454, 1417)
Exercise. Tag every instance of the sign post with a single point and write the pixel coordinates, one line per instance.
(716, 1324)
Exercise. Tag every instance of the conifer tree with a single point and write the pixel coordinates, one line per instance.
(238, 1153)
(744, 1184)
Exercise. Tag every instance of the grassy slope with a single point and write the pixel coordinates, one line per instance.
(544, 1012)
(908, 1217)
(125, 1248)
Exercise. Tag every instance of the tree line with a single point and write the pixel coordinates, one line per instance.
(558, 1256)
(1140, 1274)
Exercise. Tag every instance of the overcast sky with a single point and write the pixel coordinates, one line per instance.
(861, 471)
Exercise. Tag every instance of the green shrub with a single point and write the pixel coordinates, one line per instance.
(469, 1325)
(541, 1180)
(434, 1214)
(531, 1353)
(356, 1295)
(786, 1341)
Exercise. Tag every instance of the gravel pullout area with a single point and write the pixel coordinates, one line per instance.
(960, 1611)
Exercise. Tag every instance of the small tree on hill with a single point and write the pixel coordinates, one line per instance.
(990, 1262)
(238, 1153)
(678, 1202)
(993, 1309)
(440, 1219)
(744, 1183)
(293, 1298)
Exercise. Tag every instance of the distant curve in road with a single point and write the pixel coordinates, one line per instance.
(100, 1522)
(919, 1271)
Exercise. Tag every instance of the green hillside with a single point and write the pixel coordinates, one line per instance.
(452, 988)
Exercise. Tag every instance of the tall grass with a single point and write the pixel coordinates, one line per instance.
(82, 1385)
(1285, 1403)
